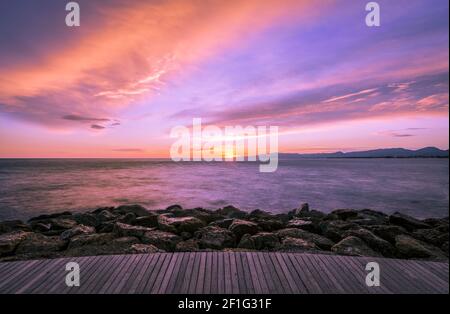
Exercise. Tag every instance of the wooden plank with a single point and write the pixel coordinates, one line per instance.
(259, 273)
(304, 272)
(171, 272)
(241, 276)
(131, 285)
(201, 274)
(123, 273)
(253, 273)
(227, 275)
(342, 277)
(181, 273)
(247, 273)
(279, 282)
(18, 282)
(220, 273)
(187, 274)
(234, 274)
(155, 272)
(279, 271)
(162, 272)
(194, 273)
(146, 272)
(18, 272)
(333, 281)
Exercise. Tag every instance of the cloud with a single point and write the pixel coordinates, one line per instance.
(73, 117)
(97, 127)
(128, 150)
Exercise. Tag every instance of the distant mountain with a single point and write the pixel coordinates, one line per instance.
(376, 153)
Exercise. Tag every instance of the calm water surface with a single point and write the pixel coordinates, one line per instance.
(29, 187)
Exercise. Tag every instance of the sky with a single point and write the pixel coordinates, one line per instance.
(116, 85)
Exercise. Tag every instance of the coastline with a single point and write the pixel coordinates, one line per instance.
(132, 229)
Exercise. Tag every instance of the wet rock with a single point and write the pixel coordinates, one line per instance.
(187, 246)
(412, 248)
(13, 225)
(144, 249)
(38, 243)
(128, 218)
(407, 222)
(240, 227)
(125, 241)
(9, 241)
(87, 219)
(345, 214)
(374, 242)
(185, 235)
(435, 236)
(215, 238)
(269, 224)
(318, 240)
(232, 212)
(302, 224)
(297, 244)
(95, 239)
(106, 215)
(150, 221)
(335, 229)
(77, 230)
(259, 241)
(41, 227)
(389, 232)
(222, 223)
(175, 207)
(137, 210)
(179, 224)
(353, 246)
(125, 230)
(106, 227)
(370, 217)
(50, 216)
(161, 239)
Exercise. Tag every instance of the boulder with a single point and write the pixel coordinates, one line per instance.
(435, 236)
(87, 219)
(297, 244)
(77, 230)
(50, 216)
(187, 246)
(345, 214)
(240, 227)
(125, 241)
(215, 238)
(137, 210)
(161, 239)
(318, 240)
(13, 225)
(374, 242)
(9, 241)
(307, 225)
(179, 224)
(222, 223)
(35, 243)
(260, 241)
(334, 229)
(409, 247)
(127, 218)
(125, 230)
(353, 246)
(150, 221)
(106, 215)
(389, 232)
(269, 224)
(144, 249)
(232, 212)
(407, 222)
(95, 239)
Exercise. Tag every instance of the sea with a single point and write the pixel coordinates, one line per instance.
(414, 186)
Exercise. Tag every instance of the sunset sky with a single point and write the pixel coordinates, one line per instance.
(133, 70)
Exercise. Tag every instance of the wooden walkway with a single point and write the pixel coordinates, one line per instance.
(223, 273)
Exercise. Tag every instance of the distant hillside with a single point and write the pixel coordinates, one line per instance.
(377, 153)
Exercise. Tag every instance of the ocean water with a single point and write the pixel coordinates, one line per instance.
(419, 187)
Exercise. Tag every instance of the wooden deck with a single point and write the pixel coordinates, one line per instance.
(223, 273)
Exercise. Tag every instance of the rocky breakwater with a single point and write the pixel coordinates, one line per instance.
(134, 229)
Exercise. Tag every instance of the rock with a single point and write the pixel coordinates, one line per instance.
(204, 215)
(9, 241)
(388, 233)
(106, 215)
(240, 227)
(179, 224)
(128, 218)
(144, 249)
(161, 239)
(302, 224)
(187, 246)
(335, 229)
(411, 248)
(368, 217)
(258, 213)
(435, 236)
(353, 246)
(125, 241)
(215, 238)
(407, 222)
(259, 241)
(232, 212)
(100, 244)
(296, 244)
(222, 223)
(106, 227)
(175, 207)
(344, 214)
(35, 243)
(269, 224)
(374, 242)
(137, 210)
(62, 224)
(41, 227)
(87, 219)
(318, 240)
(150, 221)
(95, 239)
(185, 235)
(435, 222)
(125, 230)
(13, 225)
(77, 230)
(50, 216)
